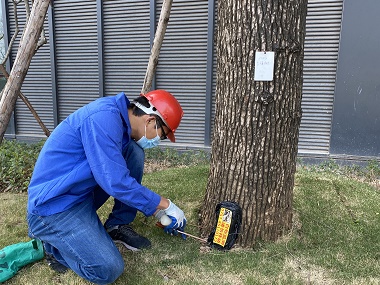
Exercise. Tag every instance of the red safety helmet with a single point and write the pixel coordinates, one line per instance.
(166, 106)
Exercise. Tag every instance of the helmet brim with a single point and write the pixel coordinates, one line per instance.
(171, 136)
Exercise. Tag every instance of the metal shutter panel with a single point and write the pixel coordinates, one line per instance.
(37, 86)
(182, 66)
(126, 45)
(320, 62)
(76, 54)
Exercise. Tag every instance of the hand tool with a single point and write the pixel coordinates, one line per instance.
(158, 224)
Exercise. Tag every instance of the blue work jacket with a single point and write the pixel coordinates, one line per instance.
(84, 151)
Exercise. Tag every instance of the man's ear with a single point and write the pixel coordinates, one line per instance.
(151, 119)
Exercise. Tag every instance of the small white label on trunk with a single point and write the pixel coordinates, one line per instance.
(264, 66)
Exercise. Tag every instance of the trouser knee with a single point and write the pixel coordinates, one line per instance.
(107, 273)
(134, 156)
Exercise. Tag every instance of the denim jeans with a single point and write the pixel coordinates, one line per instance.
(122, 214)
(78, 239)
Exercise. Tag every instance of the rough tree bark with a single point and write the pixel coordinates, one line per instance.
(156, 47)
(256, 127)
(26, 50)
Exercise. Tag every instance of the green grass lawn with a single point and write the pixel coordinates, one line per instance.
(335, 238)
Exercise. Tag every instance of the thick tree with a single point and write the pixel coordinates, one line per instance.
(255, 135)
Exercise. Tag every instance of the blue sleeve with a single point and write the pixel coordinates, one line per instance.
(102, 135)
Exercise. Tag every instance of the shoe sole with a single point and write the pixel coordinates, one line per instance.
(58, 268)
(127, 245)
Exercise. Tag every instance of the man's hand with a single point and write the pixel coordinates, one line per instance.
(178, 220)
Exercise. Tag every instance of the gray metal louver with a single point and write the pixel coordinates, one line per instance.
(182, 66)
(323, 25)
(76, 48)
(126, 45)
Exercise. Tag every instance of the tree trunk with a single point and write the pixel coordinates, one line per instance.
(256, 127)
(21, 64)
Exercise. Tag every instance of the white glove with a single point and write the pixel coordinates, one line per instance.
(178, 220)
(177, 216)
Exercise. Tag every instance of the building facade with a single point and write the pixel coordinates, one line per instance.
(101, 47)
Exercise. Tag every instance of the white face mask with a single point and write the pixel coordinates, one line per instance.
(149, 143)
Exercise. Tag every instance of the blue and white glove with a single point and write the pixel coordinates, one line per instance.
(178, 220)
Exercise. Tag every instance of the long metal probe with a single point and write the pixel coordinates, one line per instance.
(198, 238)
(158, 224)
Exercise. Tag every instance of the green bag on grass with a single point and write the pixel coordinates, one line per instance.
(15, 256)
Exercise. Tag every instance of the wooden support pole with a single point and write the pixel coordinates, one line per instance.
(156, 47)
(26, 50)
(27, 103)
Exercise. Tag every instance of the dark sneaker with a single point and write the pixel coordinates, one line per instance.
(54, 264)
(125, 235)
